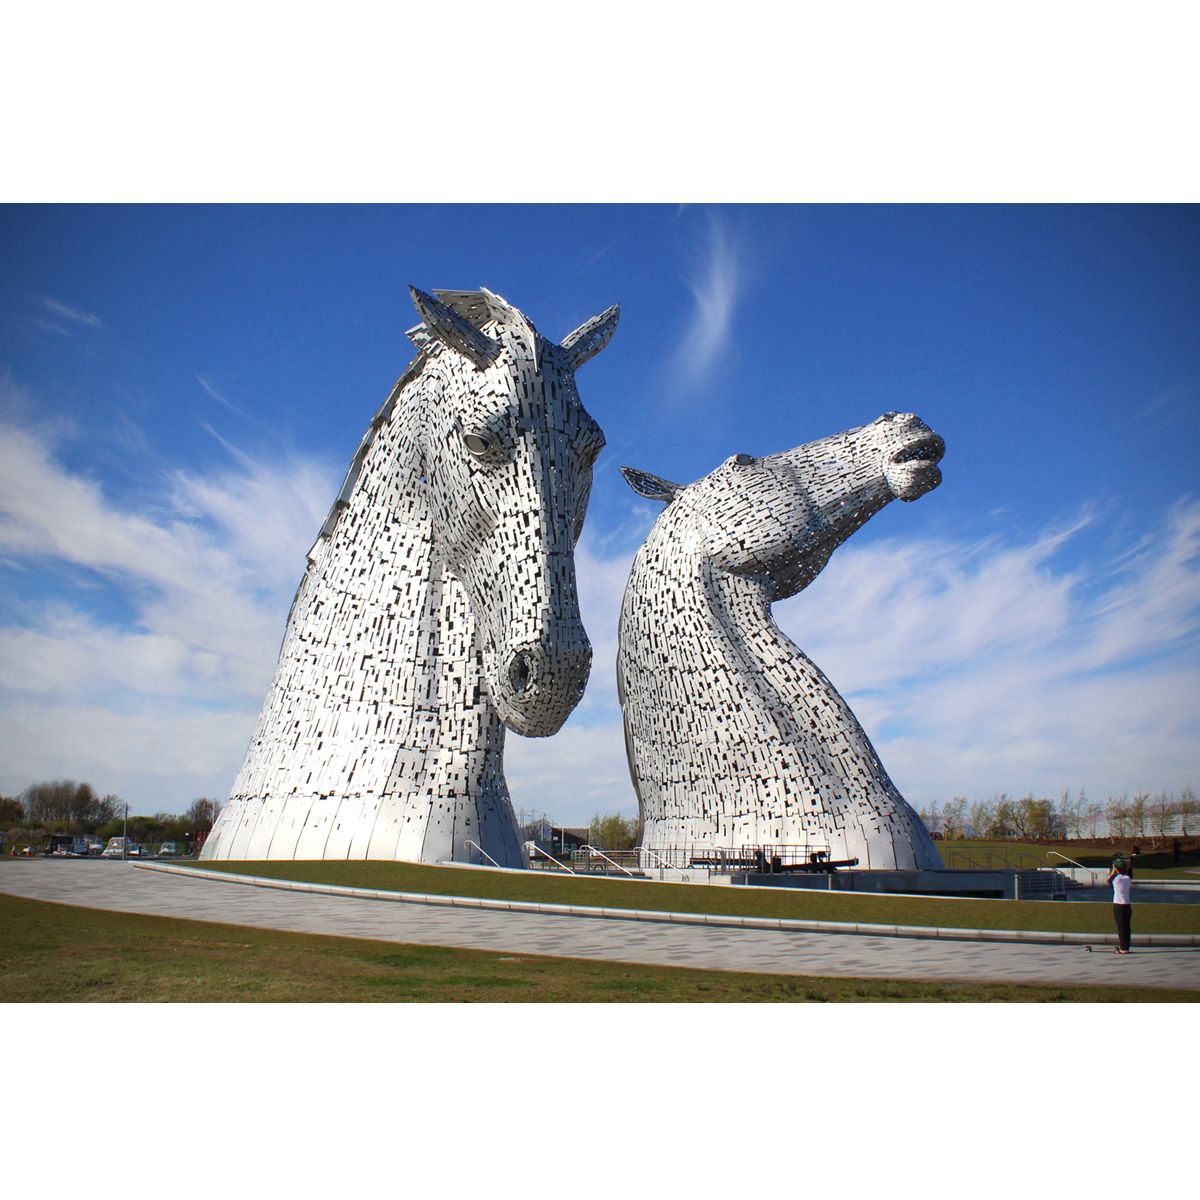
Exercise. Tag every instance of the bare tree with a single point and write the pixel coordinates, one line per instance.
(981, 818)
(533, 824)
(1118, 816)
(952, 818)
(1162, 814)
(202, 814)
(75, 805)
(1071, 814)
(1137, 814)
(1187, 808)
(1002, 823)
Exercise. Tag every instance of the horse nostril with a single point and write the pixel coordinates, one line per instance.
(520, 674)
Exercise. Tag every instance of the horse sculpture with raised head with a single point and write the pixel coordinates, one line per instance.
(438, 607)
(735, 739)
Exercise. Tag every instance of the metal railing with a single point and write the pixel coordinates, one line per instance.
(727, 859)
(662, 862)
(1092, 871)
(536, 849)
(483, 852)
(601, 854)
(990, 858)
(1039, 883)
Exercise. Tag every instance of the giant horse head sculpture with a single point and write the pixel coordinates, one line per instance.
(438, 606)
(506, 451)
(735, 738)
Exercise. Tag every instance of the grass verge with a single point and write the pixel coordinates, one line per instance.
(60, 953)
(733, 901)
(1153, 861)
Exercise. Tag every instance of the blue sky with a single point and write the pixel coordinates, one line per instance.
(181, 388)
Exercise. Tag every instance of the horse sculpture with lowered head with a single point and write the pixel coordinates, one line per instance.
(735, 739)
(439, 606)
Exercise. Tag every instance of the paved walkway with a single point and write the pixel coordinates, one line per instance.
(126, 888)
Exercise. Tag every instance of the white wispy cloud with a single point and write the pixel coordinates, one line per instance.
(218, 397)
(48, 326)
(981, 668)
(577, 774)
(715, 279)
(67, 313)
(207, 572)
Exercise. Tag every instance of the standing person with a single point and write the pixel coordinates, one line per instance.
(1122, 883)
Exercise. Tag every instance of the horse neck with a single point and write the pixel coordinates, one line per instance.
(736, 657)
(678, 599)
(377, 594)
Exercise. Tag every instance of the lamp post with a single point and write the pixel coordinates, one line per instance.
(125, 834)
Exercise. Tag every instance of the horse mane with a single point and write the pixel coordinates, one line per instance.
(478, 307)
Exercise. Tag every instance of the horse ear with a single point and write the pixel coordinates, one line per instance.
(453, 330)
(591, 337)
(651, 487)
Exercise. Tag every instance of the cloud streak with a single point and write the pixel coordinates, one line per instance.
(67, 313)
(715, 281)
(220, 399)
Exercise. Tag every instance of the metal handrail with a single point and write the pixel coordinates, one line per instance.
(662, 861)
(1093, 871)
(601, 854)
(987, 860)
(538, 850)
(483, 852)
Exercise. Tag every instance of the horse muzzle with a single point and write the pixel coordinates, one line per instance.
(541, 682)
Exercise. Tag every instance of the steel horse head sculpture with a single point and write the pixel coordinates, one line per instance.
(735, 739)
(439, 606)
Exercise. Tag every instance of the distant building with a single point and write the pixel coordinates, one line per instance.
(560, 840)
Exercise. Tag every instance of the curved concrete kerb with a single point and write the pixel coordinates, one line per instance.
(782, 924)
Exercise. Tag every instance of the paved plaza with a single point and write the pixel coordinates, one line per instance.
(128, 888)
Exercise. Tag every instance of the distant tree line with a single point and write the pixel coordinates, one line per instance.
(605, 832)
(65, 806)
(613, 832)
(1070, 817)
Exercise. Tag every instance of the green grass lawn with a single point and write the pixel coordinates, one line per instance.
(736, 901)
(1153, 862)
(60, 953)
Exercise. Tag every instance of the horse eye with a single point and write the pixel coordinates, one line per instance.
(478, 444)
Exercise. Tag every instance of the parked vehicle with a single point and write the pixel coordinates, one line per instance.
(167, 850)
(66, 845)
(119, 847)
